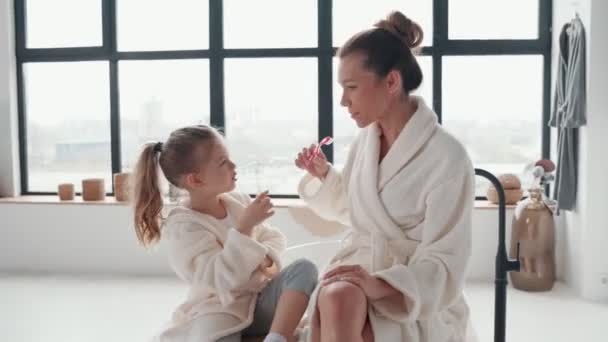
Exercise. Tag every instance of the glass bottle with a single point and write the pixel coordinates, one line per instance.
(534, 229)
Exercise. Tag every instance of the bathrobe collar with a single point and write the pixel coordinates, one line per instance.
(417, 131)
(232, 204)
(368, 177)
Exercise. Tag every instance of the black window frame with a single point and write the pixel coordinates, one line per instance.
(216, 54)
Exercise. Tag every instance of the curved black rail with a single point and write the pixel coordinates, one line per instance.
(503, 264)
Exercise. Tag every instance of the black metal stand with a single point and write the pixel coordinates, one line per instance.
(503, 264)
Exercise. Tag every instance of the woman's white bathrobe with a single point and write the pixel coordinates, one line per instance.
(221, 267)
(410, 219)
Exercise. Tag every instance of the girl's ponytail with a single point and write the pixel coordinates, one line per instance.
(147, 198)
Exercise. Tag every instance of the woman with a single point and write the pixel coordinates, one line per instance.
(406, 191)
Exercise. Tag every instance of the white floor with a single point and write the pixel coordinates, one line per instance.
(54, 309)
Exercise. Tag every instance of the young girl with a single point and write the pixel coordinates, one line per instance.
(219, 244)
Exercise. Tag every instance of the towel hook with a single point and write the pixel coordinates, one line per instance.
(576, 6)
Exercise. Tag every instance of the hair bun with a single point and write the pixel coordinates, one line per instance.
(402, 27)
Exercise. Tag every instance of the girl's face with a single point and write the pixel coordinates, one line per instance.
(218, 173)
(366, 96)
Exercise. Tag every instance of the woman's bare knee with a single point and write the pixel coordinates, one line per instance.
(342, 311)
(342, 298)
(340, 292)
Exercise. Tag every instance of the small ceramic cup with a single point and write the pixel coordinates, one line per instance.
(66, 191)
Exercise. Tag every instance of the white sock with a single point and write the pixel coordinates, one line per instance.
(274, 337)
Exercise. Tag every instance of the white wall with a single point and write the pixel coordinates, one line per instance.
(9, 157)
(91, 238)
(586, 228)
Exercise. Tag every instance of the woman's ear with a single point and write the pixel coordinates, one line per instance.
(393, 82)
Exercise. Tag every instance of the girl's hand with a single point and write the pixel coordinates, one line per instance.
(257, 212)
(374, 288)
(268, 267)
(317, 167)
(267, 262)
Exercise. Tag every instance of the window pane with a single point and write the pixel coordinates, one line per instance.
(345, 129)
(63, 23)
(497, 115)
(271, 113)
(68, 124)
(157, 97)
(352, 16)
(150, 25)
(274, 24)
(493, 19)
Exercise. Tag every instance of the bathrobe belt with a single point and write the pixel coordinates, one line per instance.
(385, 252)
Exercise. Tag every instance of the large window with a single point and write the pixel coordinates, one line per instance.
(99, 78)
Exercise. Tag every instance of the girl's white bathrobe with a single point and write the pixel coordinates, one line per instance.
(410, 219)
(221, 266)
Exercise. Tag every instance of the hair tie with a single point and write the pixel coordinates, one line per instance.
(158, 147)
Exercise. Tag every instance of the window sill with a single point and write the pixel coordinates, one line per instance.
(50, 199)
(110, 200)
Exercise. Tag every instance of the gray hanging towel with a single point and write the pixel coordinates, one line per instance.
(569, 110)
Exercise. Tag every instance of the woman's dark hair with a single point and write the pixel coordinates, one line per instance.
(388, 46)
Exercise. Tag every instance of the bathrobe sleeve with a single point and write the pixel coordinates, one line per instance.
(198, 257)
(329, 198)
(270, 237)
(434, 277)
(274, 241)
